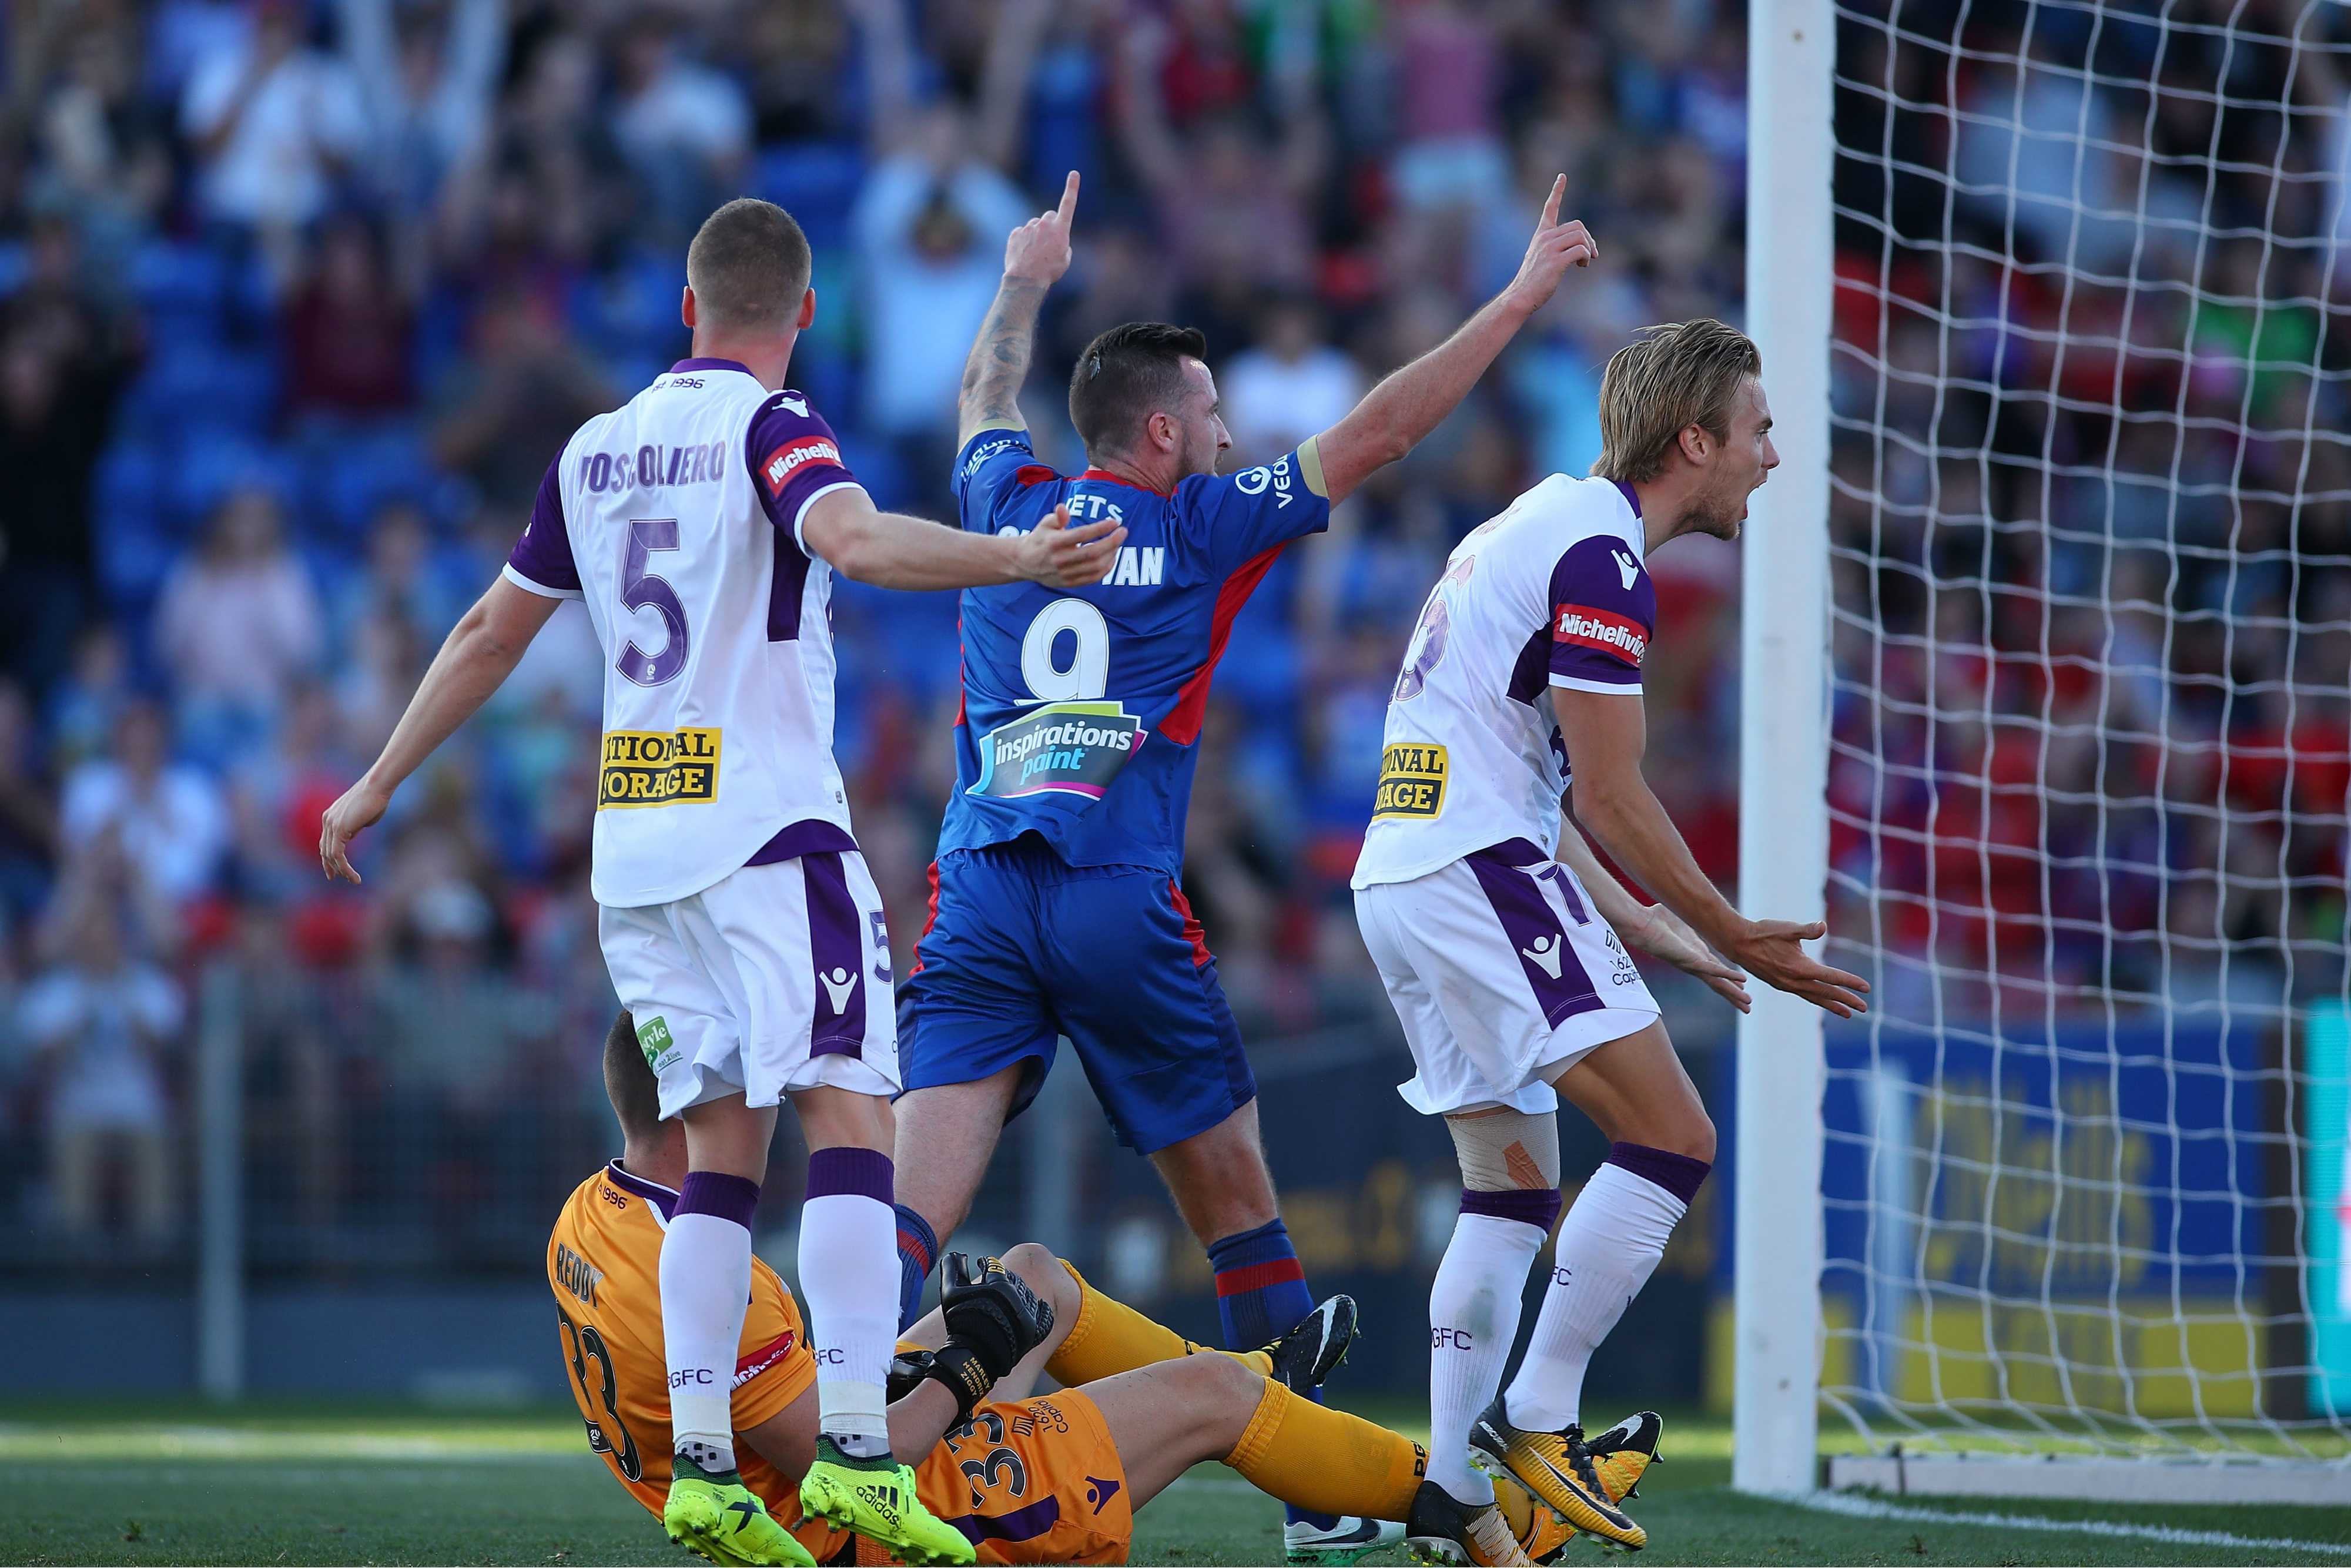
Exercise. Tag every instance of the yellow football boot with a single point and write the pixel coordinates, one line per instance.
(1540, 1532)
(1621, 1454)
(875, 1498)
(715, 1515)
(1557, 1468)
(1445, 1531)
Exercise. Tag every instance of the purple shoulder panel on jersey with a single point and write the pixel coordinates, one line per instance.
(543, 554)
(1603, 609)
(794, 458)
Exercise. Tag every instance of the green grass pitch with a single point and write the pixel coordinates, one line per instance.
(178, 1482)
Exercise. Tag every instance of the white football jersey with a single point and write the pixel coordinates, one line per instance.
(1550, 593)
(677, 519)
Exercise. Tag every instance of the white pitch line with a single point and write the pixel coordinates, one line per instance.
(1868, 1508)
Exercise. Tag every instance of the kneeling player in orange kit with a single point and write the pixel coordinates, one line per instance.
(1050, 1478)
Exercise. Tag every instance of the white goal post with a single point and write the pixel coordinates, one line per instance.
(2046, 707)
(1783, 743)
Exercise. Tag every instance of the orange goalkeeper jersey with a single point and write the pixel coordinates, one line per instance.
(1038, 1480)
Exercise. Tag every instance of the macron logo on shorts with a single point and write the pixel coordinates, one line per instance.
(1613, 634)
(794, 455)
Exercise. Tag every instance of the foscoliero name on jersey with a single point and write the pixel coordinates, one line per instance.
(1076, 748)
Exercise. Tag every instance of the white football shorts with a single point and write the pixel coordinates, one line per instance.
(1504, 975)
(776, 979)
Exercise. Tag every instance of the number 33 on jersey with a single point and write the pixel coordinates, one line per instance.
(1080, 708)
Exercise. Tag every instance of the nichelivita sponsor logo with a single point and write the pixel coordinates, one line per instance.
(794, 455)
(1589, 628)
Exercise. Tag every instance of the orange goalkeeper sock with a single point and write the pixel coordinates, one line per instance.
(1111, 1337)
(1327, 1461)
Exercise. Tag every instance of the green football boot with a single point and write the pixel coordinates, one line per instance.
(713, 1514)
(875, 1498)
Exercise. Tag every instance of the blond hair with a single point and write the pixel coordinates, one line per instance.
(1667, 379)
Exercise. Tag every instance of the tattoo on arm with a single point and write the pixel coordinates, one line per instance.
(993, 376)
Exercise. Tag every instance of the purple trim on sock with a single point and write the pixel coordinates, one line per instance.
(1537, 1207)
(1677, 1174)
(856, 1173)
(716, 1193)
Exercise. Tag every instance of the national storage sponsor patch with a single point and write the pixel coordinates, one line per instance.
(1411, 782)
(657, 767)
(1615, 634)
(1074, 748)
(794, 455)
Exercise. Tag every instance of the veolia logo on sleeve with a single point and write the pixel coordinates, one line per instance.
(1075, 749)
(1411, 782)
(657, 767)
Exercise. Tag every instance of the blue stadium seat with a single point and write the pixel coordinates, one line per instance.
(629, 315)
(816, 182)
(202, 383)
(135, 537)
(182, 288)
(209, 464)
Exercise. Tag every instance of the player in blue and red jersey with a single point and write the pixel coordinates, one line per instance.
(1056, 908)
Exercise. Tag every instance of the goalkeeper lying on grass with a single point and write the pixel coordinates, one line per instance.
(1023, 1479)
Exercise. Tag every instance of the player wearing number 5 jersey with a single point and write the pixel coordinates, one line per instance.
(1498, 935)
(701, 523)
(1057, 910)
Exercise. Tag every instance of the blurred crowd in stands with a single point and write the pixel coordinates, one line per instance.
(2091, 504)
(298, 298)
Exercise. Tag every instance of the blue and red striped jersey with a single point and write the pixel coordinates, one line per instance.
(1082, 707)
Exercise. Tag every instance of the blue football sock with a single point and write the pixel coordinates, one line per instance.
(917, 1250)
(1262, 1295)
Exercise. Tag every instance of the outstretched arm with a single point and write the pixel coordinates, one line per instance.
(888, 549)
(1395, 414)
(1035, 257)
(1607, 733)
(481, 652)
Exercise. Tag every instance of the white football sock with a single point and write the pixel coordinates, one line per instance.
(705, 1288)
(1473, 1318)
(1609, 1245)
(849, 1273)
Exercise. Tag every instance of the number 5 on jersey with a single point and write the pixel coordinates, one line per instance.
(641, 590)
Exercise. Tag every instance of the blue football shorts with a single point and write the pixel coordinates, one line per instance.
(1022, 947)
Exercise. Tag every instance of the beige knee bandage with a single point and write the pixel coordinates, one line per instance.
(1504, 1150)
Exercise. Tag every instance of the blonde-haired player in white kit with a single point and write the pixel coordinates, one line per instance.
(1497, 933)
(701, 523)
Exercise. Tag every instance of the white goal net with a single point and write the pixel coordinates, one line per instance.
(2084, 1167)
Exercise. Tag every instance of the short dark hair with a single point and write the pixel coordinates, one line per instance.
(749, 264)
(1125, 376)
(628, 1082)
